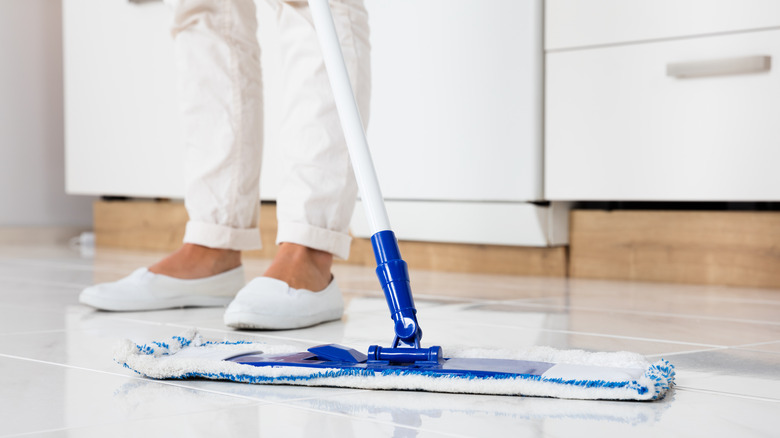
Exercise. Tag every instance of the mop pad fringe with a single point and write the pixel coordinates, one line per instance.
(189, 356)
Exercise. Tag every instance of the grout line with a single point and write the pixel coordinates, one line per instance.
(749, 350)
(286, 338)
(504, 285)
(639, 312)
(162, 382)
(65, 265)
(60, 284)
(31, 307)
(208, 391)
(744, 347)
(750, 347)
(727, 394)
(38, 432)
(359, 293)
(256, 401)
(136, 321)
(756, 344)
(187, 326)
(664, 314)
(45, 362)
(677, 353)
(346, 392)
(158, 381)
(34, 332)
(519, 301)
(171, 383)
(131, 420)
(571, 332)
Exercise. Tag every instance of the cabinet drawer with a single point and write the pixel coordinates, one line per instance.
(619, 127)
(582, 23)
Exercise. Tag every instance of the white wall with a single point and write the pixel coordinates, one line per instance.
(32, 169)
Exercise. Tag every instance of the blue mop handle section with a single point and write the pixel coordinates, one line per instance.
(394, 278)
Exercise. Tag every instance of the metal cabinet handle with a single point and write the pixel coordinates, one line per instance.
(720, 67)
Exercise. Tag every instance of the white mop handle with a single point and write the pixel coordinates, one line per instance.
(355, 135)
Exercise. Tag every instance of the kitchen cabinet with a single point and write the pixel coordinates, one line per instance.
(662, 100)
(456, 113)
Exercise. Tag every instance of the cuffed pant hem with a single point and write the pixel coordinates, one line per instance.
(221, 236)
(316, 238)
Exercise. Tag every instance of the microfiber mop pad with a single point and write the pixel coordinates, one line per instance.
(570, 374)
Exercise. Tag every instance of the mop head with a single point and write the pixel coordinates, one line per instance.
(575, 374)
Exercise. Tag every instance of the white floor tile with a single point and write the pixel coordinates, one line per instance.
(686, 331)
(92, 347)
(38, 296)
(17, 274)
(22, 319)
(250, 421)
(681, 414)
(39, 397)
(768, 347)
(730, 371)
(740, 304)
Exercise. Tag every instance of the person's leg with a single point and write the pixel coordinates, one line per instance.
(315, 204)
(220, 93)
(317, 198)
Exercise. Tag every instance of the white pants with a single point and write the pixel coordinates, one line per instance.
(220, 90)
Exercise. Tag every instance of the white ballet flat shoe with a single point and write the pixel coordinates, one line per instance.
(145, 290)
(271, 304)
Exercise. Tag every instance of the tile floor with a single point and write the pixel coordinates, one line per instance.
(57, 378)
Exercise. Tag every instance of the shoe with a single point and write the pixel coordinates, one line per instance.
(145, 290)
(268, 303)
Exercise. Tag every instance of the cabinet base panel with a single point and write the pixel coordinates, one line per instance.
(152, 225)
(694, 247)
(697, 247)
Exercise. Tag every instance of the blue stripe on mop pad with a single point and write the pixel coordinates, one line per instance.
(575, 374)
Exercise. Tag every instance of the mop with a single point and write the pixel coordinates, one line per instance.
(405, 364)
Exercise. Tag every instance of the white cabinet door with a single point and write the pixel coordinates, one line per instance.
(121, 110)
(620, 127)
(121, 130)
(456, 121)
(457, 98)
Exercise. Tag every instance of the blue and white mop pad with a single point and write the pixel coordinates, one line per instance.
(537, 371)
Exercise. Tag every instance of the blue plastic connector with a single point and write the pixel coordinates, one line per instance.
(419, 356)
(394, 278)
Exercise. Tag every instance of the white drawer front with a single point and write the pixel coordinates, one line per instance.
(582, 23)
(619, 128)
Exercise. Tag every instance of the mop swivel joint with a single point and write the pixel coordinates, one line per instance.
(394, 278)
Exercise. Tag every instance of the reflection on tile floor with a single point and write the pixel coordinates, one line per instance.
(58, 378)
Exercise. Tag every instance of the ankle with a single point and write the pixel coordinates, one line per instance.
(321, 259)
(197, 261)
(301, 267)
